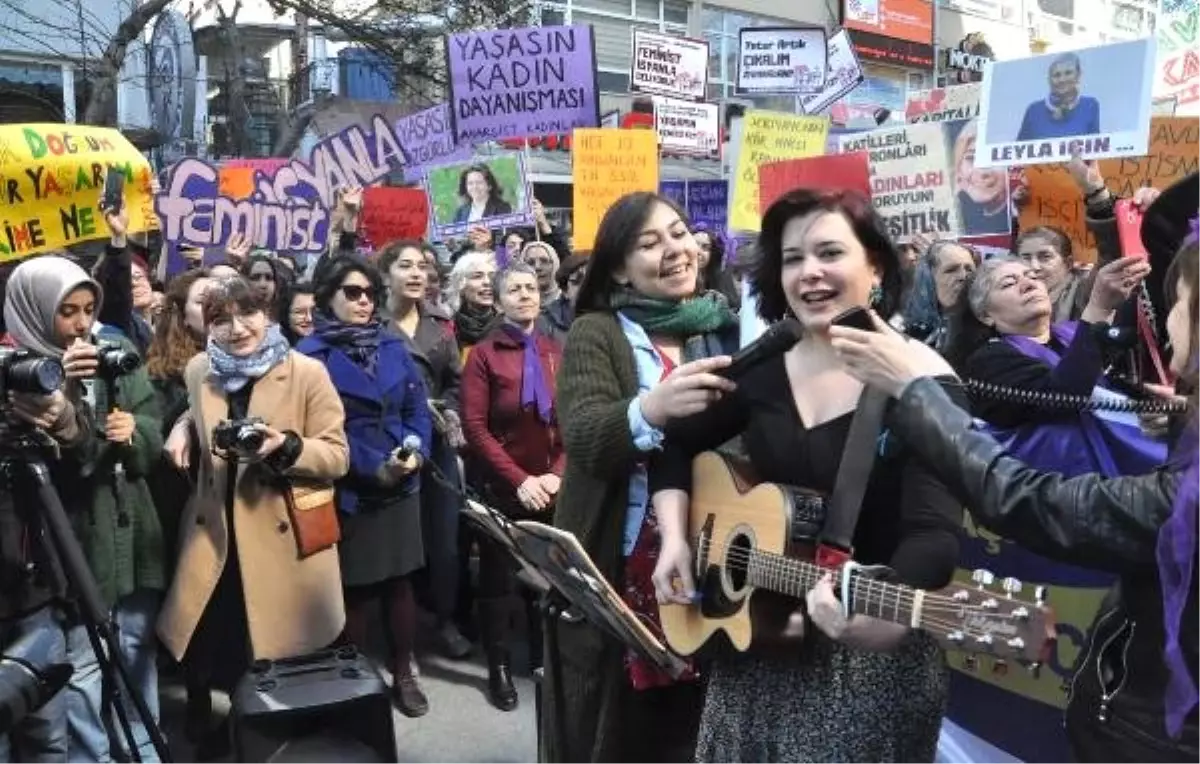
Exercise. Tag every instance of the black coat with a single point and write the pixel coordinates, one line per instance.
(1108, 524)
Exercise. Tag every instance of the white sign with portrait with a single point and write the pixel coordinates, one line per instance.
(1041, 110)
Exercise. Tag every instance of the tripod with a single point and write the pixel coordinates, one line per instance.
(29, 475)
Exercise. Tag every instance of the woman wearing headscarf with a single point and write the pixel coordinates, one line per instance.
(51, 309)
(389, 431)
(243, 589)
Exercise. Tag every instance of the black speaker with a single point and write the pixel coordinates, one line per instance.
(328, 706)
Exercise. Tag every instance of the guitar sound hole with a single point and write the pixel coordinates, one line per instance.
(737, 561)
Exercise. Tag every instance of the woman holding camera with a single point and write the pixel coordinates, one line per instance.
(51, 309)
(389, 429)
(246, 587)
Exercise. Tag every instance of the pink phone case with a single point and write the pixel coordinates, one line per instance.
(1129, 228)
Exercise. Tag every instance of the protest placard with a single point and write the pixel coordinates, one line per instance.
(827, 173)
(490, 191)
(51, 180)
(843, 74)
(782, 60)
(266, 165)
(427, 138)
(1042, 109)
(675, 190)
(943, 104)
(911, 184)
(981, 193)
(769, 137)
(288, 210)
(1177, 70)
(514, 83)
(607, 164)
(236, 182)
(392, 214)
(708, 203)
(1055, 200)
(685, 127)
(671, 66)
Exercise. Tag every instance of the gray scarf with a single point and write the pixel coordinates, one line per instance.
(36, 289)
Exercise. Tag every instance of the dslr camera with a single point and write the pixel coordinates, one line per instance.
(242, 437)
(114, 361)
(23, 371)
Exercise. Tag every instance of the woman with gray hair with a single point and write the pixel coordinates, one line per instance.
(940, 275)
(515, 454)
(469, 294)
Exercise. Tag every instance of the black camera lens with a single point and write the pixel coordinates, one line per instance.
(38, 376)
(251, 439)
(116, 361)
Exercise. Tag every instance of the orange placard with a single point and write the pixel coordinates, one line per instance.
(236, 182)
(909, 20)
(1054, 199)
(607, 164)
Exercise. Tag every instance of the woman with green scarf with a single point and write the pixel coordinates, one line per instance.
(641, 353)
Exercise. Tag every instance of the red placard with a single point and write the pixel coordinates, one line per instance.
(394, 213)
(833, 172)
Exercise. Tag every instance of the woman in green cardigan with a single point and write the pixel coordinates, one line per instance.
(642, 351)
(51, 308)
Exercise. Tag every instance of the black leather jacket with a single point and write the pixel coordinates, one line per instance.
(1115, 706)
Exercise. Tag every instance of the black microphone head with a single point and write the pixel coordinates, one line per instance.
(789, 327)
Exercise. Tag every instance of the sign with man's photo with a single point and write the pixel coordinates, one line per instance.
(1094, 102)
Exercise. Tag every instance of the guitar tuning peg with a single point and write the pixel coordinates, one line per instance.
(1000, 667)
(1041, 595)
(1035, 669)
(969, 662)
(983, 577)
(1011, 586)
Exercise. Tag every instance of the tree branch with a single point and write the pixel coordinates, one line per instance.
(101, 106)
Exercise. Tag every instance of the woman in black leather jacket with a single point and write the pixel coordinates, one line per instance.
(1133, 695)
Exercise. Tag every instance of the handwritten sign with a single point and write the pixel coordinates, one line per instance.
(513, 83)
(781, 60)
(684, 127)
(943, 104)
(51, 180)
(392, 214)
(1177, 70)
(827, 173)
(769, 137)
(427, 138)
(671, 66)
(1055, 200)
(843, 74)
(708, 203)
(608, 164)
(286, 211)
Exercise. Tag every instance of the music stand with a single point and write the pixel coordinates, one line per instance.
(556, 565)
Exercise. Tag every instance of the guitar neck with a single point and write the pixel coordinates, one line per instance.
(878, 599)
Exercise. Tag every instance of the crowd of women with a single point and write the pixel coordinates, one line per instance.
(576, 389)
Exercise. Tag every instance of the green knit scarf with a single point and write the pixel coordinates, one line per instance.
(703, 314)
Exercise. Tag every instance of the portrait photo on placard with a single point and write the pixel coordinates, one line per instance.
(1094, 101)
(489, 191)
(982, 193)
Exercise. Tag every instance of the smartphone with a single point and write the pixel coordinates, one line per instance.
(114, 190)
(855, 318)
(1129, 228)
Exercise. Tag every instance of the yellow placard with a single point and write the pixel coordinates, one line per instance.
(769, 136)
(608, 163)
(51, 180)
(1054, 199)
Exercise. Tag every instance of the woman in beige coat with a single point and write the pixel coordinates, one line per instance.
(241, 591)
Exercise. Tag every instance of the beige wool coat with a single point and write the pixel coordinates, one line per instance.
(293, 606)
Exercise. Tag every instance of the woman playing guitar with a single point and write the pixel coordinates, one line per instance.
(850, 689)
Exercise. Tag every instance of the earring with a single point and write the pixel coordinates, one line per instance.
(876, 296)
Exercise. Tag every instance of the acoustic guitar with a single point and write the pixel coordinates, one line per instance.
(743, 543)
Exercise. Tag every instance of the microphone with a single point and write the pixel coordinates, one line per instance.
(776, 340)
(410, 446)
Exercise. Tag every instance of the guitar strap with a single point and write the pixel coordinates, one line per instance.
(835, 543)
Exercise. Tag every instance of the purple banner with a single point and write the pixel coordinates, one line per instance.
(708, 203)
(288, 210)
(516, 83)
(428, 139)
(675, 190)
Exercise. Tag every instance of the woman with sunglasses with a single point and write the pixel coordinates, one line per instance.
(378, 502)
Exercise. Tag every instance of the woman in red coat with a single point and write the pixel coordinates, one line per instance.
(515, 453)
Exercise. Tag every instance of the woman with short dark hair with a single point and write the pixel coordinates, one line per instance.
(389, 433)
(819, 255)
(482, 195)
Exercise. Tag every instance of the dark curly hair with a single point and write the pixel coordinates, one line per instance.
(766, 269)
(495, 190)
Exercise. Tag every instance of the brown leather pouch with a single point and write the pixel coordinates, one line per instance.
(313, 513)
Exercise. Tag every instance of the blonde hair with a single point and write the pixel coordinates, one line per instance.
(469, 262)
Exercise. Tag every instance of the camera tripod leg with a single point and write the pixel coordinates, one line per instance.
(72, 564)
(110, 699)
(552, 606)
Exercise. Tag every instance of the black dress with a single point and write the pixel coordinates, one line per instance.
(830, 702)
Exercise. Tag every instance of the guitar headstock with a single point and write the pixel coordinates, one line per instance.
(989, 620)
